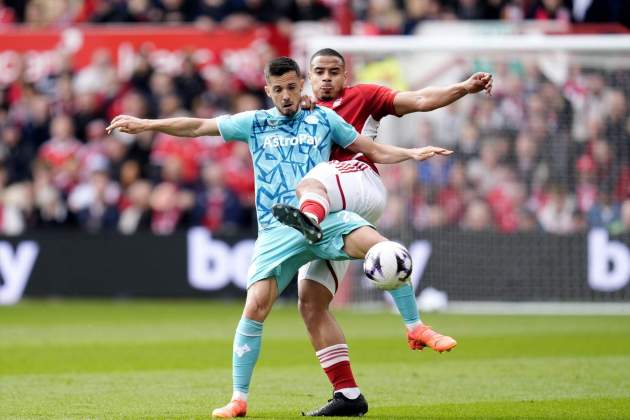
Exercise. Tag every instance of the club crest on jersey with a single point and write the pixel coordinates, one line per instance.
(281, 141)
(311, 119)
(337, 102)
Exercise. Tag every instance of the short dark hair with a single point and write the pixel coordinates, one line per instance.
(281, 65)
(328, 52)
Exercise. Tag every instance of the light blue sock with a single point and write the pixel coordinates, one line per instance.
(245, 353)
(405, 300)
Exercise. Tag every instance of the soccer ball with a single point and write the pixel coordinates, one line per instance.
(387, 265)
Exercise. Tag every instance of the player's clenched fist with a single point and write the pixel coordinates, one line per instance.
(478, 82)
(127, 124)
(422, 153)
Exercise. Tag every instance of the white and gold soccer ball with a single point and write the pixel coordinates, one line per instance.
(387, 265)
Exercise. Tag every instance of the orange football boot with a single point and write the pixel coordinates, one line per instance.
(423, 336)
(235, 408)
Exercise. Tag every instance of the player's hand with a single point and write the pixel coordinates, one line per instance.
(308, 102)
(423, 153)
(478, 82)
(127, 124)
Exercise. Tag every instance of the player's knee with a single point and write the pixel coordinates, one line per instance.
(358, 243)
(310, 307)
(257, 309)
(309, 185)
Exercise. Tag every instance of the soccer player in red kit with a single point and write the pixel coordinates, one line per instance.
(351, 182)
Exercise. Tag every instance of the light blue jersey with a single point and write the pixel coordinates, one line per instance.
(283, 150)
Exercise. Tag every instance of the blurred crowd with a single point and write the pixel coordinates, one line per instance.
(533, 156)
(374, 16)
(59, 168)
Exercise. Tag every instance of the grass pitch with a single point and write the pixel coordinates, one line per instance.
(171, 359)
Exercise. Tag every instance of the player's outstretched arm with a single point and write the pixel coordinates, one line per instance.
(384, 153)
(181, 127)
(430, 98)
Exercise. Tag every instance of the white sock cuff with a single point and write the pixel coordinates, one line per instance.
(239, 395)
(413, 325)
(320, 199)
(351, 393)
(331, 348)
(332, 355)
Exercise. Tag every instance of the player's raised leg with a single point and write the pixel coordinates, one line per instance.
(313, 209)
(247, 341)
(418, 335)
(318, 194)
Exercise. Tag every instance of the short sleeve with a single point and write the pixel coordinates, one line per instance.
(380, 98)
(237, 126)
(342, 133)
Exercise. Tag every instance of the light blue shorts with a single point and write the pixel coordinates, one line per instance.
(279, 252)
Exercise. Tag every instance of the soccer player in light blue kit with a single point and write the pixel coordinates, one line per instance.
(285, 143)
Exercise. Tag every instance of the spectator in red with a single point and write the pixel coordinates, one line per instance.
(505, 200)
(61, 151)
(7, 15)
(217, 206)
(170, 202)
(239, 172)
(586, 188)
(168, 206)
(452, 198)
(549, 10)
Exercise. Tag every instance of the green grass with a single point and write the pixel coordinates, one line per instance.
(171, 359)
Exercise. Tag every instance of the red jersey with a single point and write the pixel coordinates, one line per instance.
(362, 106)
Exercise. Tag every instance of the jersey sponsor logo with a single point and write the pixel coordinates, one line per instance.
(337, 102)
(281, 141)
(241, 350)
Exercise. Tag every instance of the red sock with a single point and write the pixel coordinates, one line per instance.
(315, 205)
(314, 208)
(340, 376)
(336, 363)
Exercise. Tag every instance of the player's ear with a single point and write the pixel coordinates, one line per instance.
(301, 84)
(268, 90)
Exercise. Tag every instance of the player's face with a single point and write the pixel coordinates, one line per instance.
(327, 76)
(286, 92)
